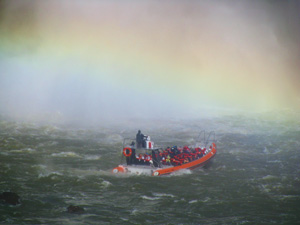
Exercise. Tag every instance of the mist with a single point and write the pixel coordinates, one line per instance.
(107, 61)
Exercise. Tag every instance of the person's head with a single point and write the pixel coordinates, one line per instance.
(139, 131)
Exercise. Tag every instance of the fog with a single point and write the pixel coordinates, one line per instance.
(93, 62)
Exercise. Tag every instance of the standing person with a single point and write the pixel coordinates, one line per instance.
(168, 160)
(139, 139)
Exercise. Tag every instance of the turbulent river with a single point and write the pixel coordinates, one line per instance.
(254, 178)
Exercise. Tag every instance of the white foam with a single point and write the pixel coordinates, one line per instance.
(163, 195)
(181, 172)
(24, 150)
(106, 183)
(264, 188)
(41, 175)
(39, 166)
(193, 201)
(206, 199)
(65, 154)
(124, 219)
(269, 177)
(283, 197)
(150, 198)
(266, 151)
(223, 167)
(274, 161)
(92, 157)
(134, 212)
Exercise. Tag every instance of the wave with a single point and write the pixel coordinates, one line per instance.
(181, 172)
(27, 150)
(193, 201)
(66, 154)
(106, 183)
(50, 174)
(269, 177)
(150, 198)
(274, 161)
(163, 195)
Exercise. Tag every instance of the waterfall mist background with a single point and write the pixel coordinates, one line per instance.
(77, 77)
(99, 61)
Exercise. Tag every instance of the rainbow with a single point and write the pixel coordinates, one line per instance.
(205, 58)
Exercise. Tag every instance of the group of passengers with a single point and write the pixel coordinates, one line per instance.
(178, 155)
(171, 156)
(143, 159)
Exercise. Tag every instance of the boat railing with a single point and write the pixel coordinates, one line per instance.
(201, 138)
(211, 138)
(203, 141)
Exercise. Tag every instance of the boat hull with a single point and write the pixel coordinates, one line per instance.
(148, 170)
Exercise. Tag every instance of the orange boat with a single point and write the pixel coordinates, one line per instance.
(147, 160)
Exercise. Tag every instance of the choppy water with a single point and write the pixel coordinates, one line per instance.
(254, 178)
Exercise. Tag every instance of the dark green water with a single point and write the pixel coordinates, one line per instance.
(254, 178)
